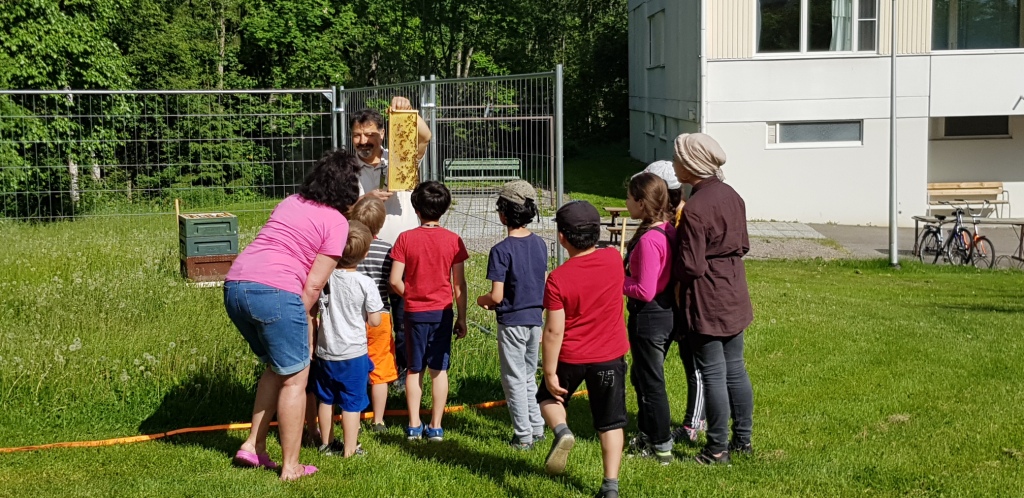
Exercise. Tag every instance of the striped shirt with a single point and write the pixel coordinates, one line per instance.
(377, 266)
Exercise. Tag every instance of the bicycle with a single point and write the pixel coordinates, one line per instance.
(983, 254)
(956, 249)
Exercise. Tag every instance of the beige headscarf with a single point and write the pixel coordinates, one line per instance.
(700, 155)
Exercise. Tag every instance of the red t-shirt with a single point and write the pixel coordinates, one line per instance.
(589, 289)
(428, 255)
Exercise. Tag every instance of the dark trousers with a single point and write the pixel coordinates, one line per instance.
(726, 388)
(650, 335)
(398, 320)
(694, 386)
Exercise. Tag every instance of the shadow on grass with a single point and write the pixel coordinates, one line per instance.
(496, 468)
(201, 400)
(475, 389)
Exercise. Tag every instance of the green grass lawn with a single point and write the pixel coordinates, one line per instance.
(867, 381)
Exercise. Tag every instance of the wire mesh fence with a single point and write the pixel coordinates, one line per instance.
(66, 154)
(86, 153)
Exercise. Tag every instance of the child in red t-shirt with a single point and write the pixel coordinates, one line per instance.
(427, 268)
(585, 339)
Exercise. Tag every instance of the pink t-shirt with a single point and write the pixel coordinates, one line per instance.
(285, 248)
(650, 264)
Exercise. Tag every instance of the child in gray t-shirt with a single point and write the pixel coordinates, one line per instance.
(342, 369)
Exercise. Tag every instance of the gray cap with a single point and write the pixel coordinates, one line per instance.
(518, 191)
(665, 171)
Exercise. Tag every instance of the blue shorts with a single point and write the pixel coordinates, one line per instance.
(272, 321)
(428, 339)
(343, 383)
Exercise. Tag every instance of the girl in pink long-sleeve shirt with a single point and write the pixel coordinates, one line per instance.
(651, 320)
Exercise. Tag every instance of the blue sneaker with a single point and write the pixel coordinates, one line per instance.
(414, 433)
(435, 434)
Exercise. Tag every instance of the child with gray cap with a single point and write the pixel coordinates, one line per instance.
(585, 340)
(516, 268)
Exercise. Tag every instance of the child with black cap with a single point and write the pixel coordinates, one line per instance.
(585, 340)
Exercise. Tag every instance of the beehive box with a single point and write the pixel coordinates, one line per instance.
(206, 268)
(207, 225)
(219, 245)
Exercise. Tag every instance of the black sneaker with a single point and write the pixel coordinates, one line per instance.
(519, 444)
(607, 494)
(639, 445)
(333, 448)
(378, 428)
(705, 457)
(555, 462)
(741, 449)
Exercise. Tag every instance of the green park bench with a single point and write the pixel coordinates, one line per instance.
(482, 170)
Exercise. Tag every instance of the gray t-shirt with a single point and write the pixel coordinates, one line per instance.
(344, 304)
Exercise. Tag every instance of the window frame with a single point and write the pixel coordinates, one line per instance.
(652, 42)
(803, 50)
(952, 36)
(941, 130)
(774, 131)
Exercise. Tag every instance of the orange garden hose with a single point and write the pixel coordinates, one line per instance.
(229, 427)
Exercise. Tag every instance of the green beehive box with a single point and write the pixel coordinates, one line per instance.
(207, 225)
(208, 246)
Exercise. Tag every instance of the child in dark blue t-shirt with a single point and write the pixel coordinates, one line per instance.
(516, 268)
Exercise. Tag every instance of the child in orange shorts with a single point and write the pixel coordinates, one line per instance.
(380, 343)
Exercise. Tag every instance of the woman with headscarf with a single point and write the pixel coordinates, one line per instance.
(712, 240)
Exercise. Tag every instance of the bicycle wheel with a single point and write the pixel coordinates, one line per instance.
(983, 255)
(958, 247)
(928, 248)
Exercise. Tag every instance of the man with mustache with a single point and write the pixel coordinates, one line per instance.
(367, 127)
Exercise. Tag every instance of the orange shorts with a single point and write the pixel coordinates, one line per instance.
(381, 346)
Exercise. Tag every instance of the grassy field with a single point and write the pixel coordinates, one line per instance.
(867, 382)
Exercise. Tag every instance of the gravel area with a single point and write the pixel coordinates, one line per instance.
(779, 248)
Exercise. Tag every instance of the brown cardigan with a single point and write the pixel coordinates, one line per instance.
(712, 240)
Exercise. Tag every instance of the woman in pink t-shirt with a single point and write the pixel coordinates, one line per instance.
(650, 304)
(270, 294)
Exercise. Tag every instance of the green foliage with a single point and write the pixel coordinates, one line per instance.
(90, 152)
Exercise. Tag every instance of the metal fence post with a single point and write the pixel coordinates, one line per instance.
(334, 117)
(344, 121)
(432, 103)
(424, 166)
(559, 150)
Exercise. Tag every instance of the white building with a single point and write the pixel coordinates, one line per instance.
(797, 92)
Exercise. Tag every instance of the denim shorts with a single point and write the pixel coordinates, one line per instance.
(343, 382)
(272, 321)
(428, 339)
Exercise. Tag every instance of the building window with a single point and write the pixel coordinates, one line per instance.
(976, 126)
(656, 39)
(786, 26)
(649, 127)
(816, 133)
(976, 24)
(661, 126)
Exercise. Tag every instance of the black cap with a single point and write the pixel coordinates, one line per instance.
(578, 216)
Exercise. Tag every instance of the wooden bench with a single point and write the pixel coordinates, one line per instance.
(482, 170)
(973, 193)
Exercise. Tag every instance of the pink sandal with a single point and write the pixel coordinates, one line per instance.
(250, 460)
(307, 470)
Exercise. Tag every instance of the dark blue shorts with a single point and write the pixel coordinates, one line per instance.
(428, 339)
(343, 383)
(272, 321)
